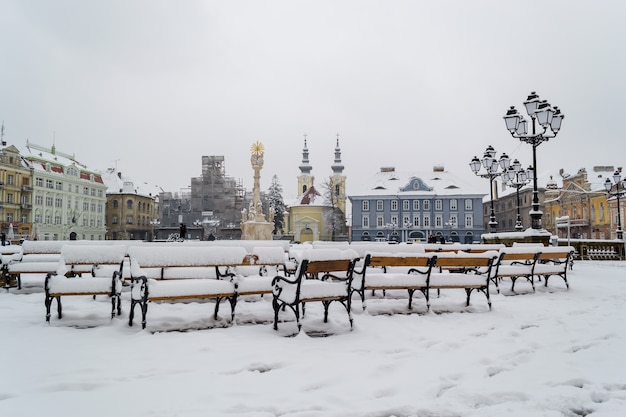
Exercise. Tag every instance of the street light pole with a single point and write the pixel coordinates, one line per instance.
(617, 179)
(491, 165)
(542, 113)
(518, 178)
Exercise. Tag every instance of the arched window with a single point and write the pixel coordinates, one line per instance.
(115, 204)
(129, 204)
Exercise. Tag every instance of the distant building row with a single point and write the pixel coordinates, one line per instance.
(49, 195)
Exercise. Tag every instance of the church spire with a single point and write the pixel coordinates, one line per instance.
(305, 167)
(337, 166)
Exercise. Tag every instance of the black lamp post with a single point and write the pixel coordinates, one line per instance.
(517, 177)
(491, 165)
(617, 179)
(542, 113)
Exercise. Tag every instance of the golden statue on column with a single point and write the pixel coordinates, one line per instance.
(253, 223)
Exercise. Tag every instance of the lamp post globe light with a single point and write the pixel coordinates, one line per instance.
(492, 166)
(547, 117)
(517, 177)
(617, 179)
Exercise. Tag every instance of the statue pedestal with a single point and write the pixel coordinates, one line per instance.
(253, 230)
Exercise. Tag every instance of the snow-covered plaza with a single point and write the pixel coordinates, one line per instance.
(555, 352)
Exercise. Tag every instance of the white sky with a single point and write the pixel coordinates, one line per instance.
(153, 85)
(555, 352)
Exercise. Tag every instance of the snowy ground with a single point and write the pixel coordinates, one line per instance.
(556, 352)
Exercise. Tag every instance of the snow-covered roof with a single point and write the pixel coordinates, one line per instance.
(41, 157)
(438, 181)
(118, 184)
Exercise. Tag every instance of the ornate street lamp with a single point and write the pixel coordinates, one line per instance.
(491, 165)
(549, 118)
(617, 179)
(517, 177)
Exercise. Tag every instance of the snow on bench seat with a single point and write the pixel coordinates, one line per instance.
(323, 275)
(393, 271)
(170, 273)
(69, 281)
(468, 271)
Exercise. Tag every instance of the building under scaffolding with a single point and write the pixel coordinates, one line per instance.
(210, 208)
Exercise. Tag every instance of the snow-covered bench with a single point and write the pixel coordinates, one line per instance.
(554, 261)
(530, 262)
(104, 264)
(323, 275)
(184, 273)
(468, 271)
(394, 271)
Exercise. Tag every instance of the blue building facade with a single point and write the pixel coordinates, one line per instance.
(416, 206)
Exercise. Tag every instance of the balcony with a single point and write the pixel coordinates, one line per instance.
(26, 206)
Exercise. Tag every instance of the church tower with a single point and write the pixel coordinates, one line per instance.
(305, 179)
(338, 180)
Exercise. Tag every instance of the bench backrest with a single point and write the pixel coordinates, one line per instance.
(327, 267)
(464, 261)
(405, 261)
(93, 254)
(546, 256)
(186, 256)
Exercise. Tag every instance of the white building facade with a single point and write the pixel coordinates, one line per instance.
(68, 199)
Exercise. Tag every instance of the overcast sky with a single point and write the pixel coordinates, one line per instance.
(151, 86)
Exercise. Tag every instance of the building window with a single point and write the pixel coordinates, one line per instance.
(426, 221)
(59, 185)
(48, 219)
(438, 220)
(114, 219)
(380, 221)
(37, 218)
(469, 220)
(9, 217)
(366, 221)
(115, 204)
(406, 204)
(58, 202)
(426, 205)
(416, 221)
(39, 182)
(93, 207)
(468, 204)
(92, 192)
(602, 212)
(406, 221)
(10, 198)
(100, 193)
(99, 208)
(438, 205)
(57, 219)
(416, 205)
(453, 222)
(129, 219)
(453, 204)
(10, 179)
(394, 220)
(379, 205)
(366, 205)
(394, 205)
(49, 184)
(85, 206)
(86, 190)
(38, 200)
(129, 204)
(48, 201)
